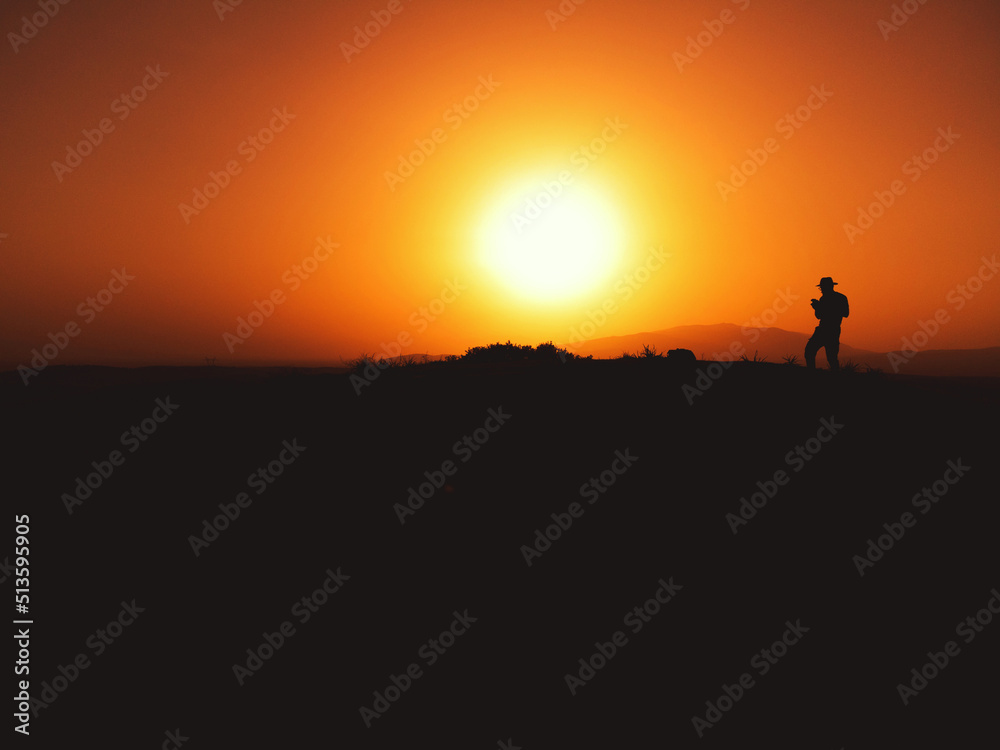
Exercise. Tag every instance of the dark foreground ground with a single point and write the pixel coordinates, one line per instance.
(502, 679)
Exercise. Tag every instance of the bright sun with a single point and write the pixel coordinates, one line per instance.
(549, 242)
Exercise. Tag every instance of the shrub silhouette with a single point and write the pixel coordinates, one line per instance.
(359, 364)
(510, 352)
(496, 352)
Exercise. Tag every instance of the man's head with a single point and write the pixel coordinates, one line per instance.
(826, 284)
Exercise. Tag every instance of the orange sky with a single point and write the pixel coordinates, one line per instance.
(548, 92)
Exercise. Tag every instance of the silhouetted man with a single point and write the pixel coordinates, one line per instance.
(831, 308)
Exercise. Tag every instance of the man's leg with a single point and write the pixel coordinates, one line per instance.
(812, 346)
(832, 350)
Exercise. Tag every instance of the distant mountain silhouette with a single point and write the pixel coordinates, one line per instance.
(776, 343)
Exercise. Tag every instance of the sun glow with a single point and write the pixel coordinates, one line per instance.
(551, 242)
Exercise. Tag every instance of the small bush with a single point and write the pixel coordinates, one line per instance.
(510, 352)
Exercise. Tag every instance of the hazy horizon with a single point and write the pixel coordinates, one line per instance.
(744, 340)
